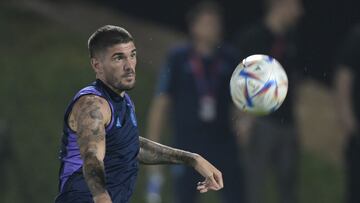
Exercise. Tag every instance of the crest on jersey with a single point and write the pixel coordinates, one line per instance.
(118, 123)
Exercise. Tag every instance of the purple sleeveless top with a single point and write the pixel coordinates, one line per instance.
(122, 143)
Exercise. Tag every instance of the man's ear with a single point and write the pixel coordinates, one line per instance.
(96, 65)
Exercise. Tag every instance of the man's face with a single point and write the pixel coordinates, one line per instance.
(116, 66)
(291, 11)
(207, 27)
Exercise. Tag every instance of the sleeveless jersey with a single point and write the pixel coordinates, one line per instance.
(122, 148)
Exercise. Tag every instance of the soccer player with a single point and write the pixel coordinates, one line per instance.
(101, 147)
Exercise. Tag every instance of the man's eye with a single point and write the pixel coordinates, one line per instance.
(118, 58)
(133, 55)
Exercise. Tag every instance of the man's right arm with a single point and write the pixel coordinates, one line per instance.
(157, 119)
(90, 115)
(343, 91)
(158, 116)
(161, 102)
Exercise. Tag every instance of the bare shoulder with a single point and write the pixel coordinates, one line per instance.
(90, 105)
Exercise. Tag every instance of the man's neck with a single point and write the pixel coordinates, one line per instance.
(119, 92)
(204, 48)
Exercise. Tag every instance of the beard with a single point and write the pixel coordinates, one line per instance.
(120, 83)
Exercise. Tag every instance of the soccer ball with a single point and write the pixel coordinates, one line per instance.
(259, 85)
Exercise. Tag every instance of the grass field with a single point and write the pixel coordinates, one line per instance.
(42, 65)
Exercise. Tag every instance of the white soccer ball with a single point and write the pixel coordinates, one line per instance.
(259, 85)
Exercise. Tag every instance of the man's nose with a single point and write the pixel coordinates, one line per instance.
(127, 64)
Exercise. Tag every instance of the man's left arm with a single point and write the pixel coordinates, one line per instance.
(152, 153)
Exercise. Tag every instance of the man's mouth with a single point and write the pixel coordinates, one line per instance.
(129, 75)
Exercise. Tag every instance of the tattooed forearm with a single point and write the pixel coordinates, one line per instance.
(94, 175)
(155, 153)
(91, 140)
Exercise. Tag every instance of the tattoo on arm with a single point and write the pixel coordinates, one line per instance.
(91, 141)
(94, 174)
(155, 153)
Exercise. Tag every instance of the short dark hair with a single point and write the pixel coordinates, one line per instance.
(268, 4)
(207, 6)
(107, 36)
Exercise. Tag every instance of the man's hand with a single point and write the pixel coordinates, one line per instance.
(155, 153)
(213, 177)
(244, 128)
(242, 124)
(344, 79)
(102, 198)
(348, 122)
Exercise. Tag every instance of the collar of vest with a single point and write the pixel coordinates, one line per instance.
(113, 95)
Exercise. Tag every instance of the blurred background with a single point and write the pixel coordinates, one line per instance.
(44, 61)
